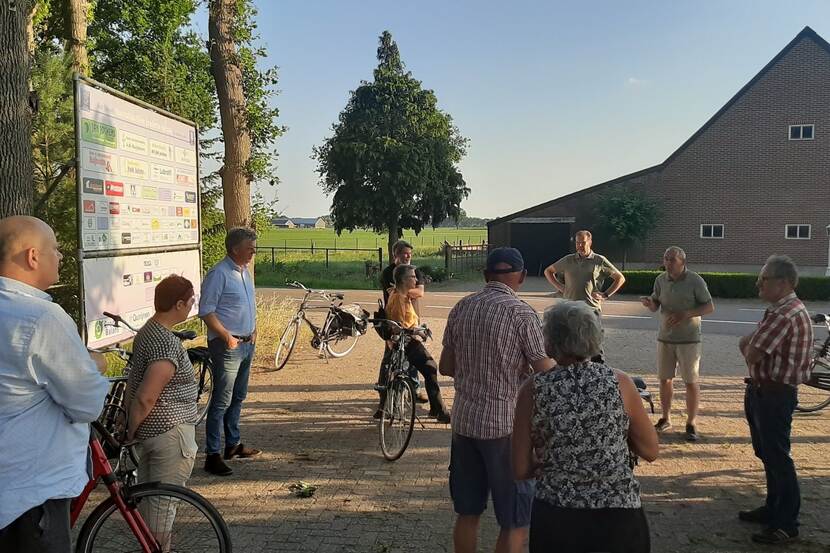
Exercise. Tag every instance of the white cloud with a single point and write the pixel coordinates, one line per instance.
(634, 82)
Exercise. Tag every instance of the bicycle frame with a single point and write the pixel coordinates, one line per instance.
(102, 470)
(320, 333)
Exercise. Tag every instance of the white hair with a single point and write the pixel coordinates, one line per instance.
(572, 328)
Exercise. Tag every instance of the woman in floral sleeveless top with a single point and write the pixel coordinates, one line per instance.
(574, 427)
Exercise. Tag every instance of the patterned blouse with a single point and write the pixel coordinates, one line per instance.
(177, 402)
(579, 429)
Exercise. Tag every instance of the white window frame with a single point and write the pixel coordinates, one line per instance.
(713, 225)
(798, 225)
(801, 133)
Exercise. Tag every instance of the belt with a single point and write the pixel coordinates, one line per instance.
(769, 384)
(242, 338)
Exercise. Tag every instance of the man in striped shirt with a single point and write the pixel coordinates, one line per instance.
(778, 356)
(491, 341)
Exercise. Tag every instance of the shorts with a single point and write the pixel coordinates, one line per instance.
(685, 357)
(482, 467)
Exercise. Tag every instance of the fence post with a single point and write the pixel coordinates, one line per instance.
(312, 247)
(380, 258)
(327, 258)
(273, 260)
(447, 249)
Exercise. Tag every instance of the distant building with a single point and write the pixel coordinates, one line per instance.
(283, 222)
(309, 222)
(752, 181)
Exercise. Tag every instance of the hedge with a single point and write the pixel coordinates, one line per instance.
(729, 285)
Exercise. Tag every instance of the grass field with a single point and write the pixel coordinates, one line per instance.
(429, 240)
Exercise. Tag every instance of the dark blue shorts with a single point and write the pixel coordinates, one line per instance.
(482, 467)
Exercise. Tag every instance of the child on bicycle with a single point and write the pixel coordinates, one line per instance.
(399, 308)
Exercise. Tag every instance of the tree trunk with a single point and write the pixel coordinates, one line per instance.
(393, 237)
(77, 36)
(15, 116)
(227, 73)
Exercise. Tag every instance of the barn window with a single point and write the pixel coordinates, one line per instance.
(711, 231)
(802, 132)
(797, 232)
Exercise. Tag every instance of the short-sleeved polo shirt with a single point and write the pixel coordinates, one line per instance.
(689, 291)
(584, 275)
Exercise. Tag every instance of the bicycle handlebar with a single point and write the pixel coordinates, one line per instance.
(182, 335)
(325, 293)
(422, 331)
(819, 318)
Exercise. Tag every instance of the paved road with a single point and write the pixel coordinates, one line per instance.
(731, 317)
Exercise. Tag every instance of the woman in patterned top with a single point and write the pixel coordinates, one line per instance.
(573, 428)
(162, 389)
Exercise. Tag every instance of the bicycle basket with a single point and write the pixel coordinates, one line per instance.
(350, 320)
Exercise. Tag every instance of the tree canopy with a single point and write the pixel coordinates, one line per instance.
(627, 217)
(391, 163)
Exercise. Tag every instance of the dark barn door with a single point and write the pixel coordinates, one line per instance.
(540, 243)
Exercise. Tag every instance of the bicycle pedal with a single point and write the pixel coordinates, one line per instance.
(379, 388)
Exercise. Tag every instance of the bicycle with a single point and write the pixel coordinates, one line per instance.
(338, 334)
(199, 358)
(814, 394)
(148, 513)
(397, 419)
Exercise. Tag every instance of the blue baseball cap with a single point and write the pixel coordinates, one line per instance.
(510, 256)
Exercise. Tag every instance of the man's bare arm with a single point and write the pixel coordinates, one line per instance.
(215, 325)
(446, 365)
(550, 275)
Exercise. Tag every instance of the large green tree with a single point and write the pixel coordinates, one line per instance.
(627, 217)
(391, 163)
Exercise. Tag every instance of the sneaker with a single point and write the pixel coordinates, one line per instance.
(774, 536)
(662, 425)
(758, 515)
(691, 433)
(239, 450)
(215, 465)
(421, 396)
(441, 416)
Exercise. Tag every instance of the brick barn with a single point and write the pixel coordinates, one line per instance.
(753, 181)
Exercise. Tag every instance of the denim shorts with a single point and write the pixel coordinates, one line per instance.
(482, 467)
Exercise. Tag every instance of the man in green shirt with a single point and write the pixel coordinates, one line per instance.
(584, 273)
(682, 297)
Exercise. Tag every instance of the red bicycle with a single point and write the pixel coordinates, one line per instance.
(149, 518)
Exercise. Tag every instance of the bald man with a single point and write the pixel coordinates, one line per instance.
(50, 389)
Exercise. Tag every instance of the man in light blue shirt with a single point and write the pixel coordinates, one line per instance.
(50, 389)
(228, 306)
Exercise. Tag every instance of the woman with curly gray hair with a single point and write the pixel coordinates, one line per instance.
(574, 426)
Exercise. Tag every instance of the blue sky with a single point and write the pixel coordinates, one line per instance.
(554, 96)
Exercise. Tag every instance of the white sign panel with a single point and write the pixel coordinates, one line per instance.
(137, 180)
(125, 286)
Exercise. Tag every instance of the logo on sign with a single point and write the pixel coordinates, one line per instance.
(148, 276)
(126, 238)
(89, 206)
(190, 197)
(115, 188)
(127, 280)
(115, 208)
(93, 186)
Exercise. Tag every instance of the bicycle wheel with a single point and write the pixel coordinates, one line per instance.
(203, 370)
(397, 419)
(180, 519)
(811, 398)
(286, 345)
(340, 345)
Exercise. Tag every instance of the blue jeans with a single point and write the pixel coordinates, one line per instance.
(769, 411)
(231, 369)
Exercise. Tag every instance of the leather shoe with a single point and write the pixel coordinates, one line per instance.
(215, 465)
(758, 515)
(421, 396)
(239, 450)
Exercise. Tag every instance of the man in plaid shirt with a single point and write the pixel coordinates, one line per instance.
(778, 355)
(491, 342)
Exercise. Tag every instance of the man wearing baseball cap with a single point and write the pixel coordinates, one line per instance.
(492, 341)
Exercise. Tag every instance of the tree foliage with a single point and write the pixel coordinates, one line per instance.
(627, 216)
(391, 163)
